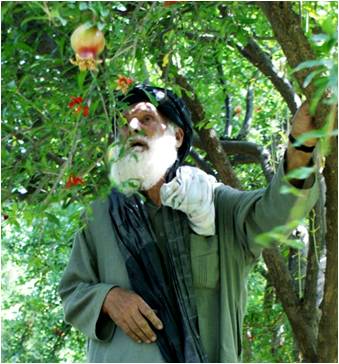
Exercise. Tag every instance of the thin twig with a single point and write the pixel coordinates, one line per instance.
(67, 163)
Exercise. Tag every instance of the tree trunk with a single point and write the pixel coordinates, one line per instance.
(328, 327)
(283, 283)
(297, 50)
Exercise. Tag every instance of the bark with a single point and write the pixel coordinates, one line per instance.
(208, 137)
(288, 32)
(243, 159)
(328, 327)
(274, 326)
(244, 152)
(261, 60)
(248, 116)
(201, 163)
(311, 280)
(228, 121)
(313, 291)
(297, 50)
(218, 157)
(227, 103)
(283, 283)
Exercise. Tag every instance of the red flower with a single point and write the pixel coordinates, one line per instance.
(74, 181)
(80, 108)
(123, 83)
(85, 110)
(75, 101)
(169, 3)
(123, 80)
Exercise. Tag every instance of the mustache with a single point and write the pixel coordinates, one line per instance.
(138, 141)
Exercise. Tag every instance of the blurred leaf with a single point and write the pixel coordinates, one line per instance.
(81, 78)
(318, 133)
(300, 173)
(52, 218)
(328, 63)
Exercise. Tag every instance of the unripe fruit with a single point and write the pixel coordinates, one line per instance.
(87, 42)
(237, 109)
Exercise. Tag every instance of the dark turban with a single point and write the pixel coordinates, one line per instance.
(170, 106)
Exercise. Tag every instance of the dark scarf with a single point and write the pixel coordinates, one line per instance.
(178, 341)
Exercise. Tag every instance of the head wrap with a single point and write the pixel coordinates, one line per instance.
(170, 106)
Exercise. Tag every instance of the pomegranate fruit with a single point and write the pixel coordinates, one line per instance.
(87, 42)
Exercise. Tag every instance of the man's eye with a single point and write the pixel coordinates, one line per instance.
(147, 118)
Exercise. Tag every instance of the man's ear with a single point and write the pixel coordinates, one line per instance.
(179, 136)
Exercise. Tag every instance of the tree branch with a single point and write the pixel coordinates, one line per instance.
(328, 326)
(253, 53)
(283, 283)
(248, 116)
(317, 231)
(311, 279)
(208, 137)
(227, 103)
(294, 45)
(228, 121)
(244, 152)
(201, 163)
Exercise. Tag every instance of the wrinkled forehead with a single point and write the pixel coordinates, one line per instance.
(143, 106)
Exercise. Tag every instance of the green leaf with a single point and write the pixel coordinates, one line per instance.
(330, 25)
(318, 133)
(83, 5)
(52, 218)
(316, 98)
(320, 38)
(279, 234)
(300, 173)
(289, 189)
(328, 63)
(296, 244)
(310, 77)
(104, 11)
(34, 18)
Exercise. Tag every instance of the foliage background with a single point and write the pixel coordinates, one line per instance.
(44, 142)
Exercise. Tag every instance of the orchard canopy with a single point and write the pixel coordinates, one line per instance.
(243, 68)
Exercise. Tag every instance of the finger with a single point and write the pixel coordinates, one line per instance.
(142, 329)
(150, 315)
(306, 107)
(131, 333)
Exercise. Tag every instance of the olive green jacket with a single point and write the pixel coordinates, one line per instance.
(220, 266)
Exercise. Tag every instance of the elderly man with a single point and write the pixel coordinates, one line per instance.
(159, 273)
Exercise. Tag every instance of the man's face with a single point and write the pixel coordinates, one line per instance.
(150, 143)
(143, 120)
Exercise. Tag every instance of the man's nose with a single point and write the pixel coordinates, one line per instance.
(134, 125)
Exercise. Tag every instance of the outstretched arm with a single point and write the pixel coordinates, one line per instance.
(302, 122)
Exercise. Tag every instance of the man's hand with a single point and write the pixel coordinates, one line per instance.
(132, 314)
(301, 123)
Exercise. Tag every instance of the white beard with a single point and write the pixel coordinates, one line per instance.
(140, 169)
